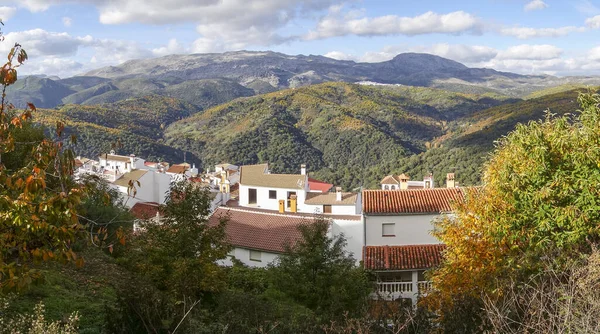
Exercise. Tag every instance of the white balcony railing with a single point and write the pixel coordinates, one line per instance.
(394, 290)
(394, 287)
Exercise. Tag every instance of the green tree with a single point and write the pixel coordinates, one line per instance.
(539, 200)
(318, 273)
(178, 254)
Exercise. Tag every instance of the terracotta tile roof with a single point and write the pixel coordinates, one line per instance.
(390, 179)
(134, 175)
(112, 157)
(258, 230)
(254, 175)
(145, 210)
(78, 163)
(150, 163)
(409, 257)
(177, 169)
(330, 199)
(316, 185)
(433, 200)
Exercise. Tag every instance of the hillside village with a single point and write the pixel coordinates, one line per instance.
(387, 229)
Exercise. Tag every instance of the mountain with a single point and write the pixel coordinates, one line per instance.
(266, 71)
(207, 80)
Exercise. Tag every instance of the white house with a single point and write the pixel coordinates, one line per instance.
(153, 186)
(115, 164)
(403, 182)
(279, 192)
(397, 230)
(259, 188)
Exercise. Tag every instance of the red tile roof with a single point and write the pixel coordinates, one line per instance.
(177, 169)
(403, 257)
(257, 230)
(145, 210)
(433, 200)
(316, 185)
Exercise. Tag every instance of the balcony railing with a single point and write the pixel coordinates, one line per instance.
(394, 287)
(402, 289)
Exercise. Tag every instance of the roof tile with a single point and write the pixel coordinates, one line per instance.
(258, 230)
(409, 257)
(432, 200)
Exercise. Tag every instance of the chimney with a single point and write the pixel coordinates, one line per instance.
(338, 194)
(293, 203)
(450, 180)
(303, 169)
(428, 181)
(403, 181)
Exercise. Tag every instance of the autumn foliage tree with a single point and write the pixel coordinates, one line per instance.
(539, 200)
(38, 200)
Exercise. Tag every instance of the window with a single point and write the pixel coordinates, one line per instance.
(272, 194)
(255, 255)
(326, 208)
(392, 187)
(251, 196)
(386, 187)
(388, 230)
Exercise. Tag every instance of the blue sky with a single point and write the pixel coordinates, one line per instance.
(66, 37)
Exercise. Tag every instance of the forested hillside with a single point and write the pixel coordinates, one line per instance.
(131, 126)
(347, 134)
(354, 135)
(351, 135)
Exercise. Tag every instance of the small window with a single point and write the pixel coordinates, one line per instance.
(255, 255)
(388, 230)
(392, 187)
(326, 208)
(386, 187)
(272, 194)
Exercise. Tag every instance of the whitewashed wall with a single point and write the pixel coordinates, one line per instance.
(409, 230)
(335, 209)
(243, 255)
(353, 232)
(263, 201)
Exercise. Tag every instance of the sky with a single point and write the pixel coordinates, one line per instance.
(65, 38)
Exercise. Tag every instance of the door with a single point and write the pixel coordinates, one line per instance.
(326, 208)
(251, 196)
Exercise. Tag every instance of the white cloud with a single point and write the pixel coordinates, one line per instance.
(7, 12)
(339, 55)
(172, 47)
(531, 52)
(335, 24)
(58, 52)
(593, 22)
(38, 42)
(526, 33)
(67, 21)
(234, 24)
(535, 5)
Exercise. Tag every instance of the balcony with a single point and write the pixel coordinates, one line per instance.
(395, 290)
